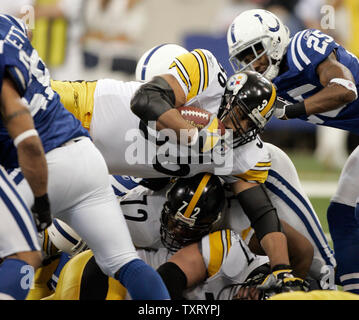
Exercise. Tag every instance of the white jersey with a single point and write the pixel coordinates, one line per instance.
(104, 108)
(228, 261)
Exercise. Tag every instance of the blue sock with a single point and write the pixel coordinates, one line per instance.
(16, 278)
(142, 281)
(344, 230)
(52, 283)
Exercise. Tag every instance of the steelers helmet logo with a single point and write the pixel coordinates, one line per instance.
(236, 82)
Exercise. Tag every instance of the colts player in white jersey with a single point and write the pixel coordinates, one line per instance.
(79, 189)
(108, 108)
(318, 80)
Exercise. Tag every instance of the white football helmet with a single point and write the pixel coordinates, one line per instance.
(65, 238)
(156, 60)
(253, 30)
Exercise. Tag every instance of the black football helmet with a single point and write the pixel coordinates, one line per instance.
(248, 95)
(193, 206)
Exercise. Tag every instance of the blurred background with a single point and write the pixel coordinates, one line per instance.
(93, 39)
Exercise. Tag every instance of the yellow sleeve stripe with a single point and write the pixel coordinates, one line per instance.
(254, 175)
(219, 245)
(203, 65)
(263, 164)
(46, 240)
(216, 253)
(245, 232)
(197, 195)
(182, 73)
(192, 68)
(270, 103)
(229, 241)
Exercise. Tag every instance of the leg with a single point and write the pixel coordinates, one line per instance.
(87, 203)
(342, 216)
(18, 243)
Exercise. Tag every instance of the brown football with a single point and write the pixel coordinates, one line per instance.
(198, 117)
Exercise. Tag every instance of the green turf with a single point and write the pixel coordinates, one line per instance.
(320, 205)
(311, 169)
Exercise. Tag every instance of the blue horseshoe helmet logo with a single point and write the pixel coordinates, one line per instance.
(275, 29)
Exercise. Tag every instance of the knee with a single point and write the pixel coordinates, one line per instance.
(32, 258)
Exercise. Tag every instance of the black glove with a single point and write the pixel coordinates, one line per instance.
(281, 279)
(285, 110)
(41, 212)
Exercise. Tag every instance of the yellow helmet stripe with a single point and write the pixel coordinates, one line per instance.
(197, 195)
(229, 242)
(270, 103)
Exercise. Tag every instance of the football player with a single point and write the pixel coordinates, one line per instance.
(317, 80)
(108, 108)
(20, 252)
(140, 207)
(78, 188)
(175, 228)
(221, 257)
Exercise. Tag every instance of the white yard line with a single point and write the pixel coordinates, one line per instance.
(319, 188)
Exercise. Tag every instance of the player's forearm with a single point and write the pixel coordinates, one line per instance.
(172, 119)
(329, 98)
(33, 164)
(275, 246)
(20, 126)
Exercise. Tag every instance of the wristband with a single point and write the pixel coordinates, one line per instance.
(42, 203)
(295, 111)
(24, 135)
(346, 84)
(281, 267)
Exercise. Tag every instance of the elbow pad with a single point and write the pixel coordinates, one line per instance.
(260, 211)
(153, 99)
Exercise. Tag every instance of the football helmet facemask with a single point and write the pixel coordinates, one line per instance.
(257, 32)
(192, 208)
(248, 96)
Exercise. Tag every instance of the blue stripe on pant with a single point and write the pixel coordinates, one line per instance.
(15, 211)
(344, 230)
(295, 194)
